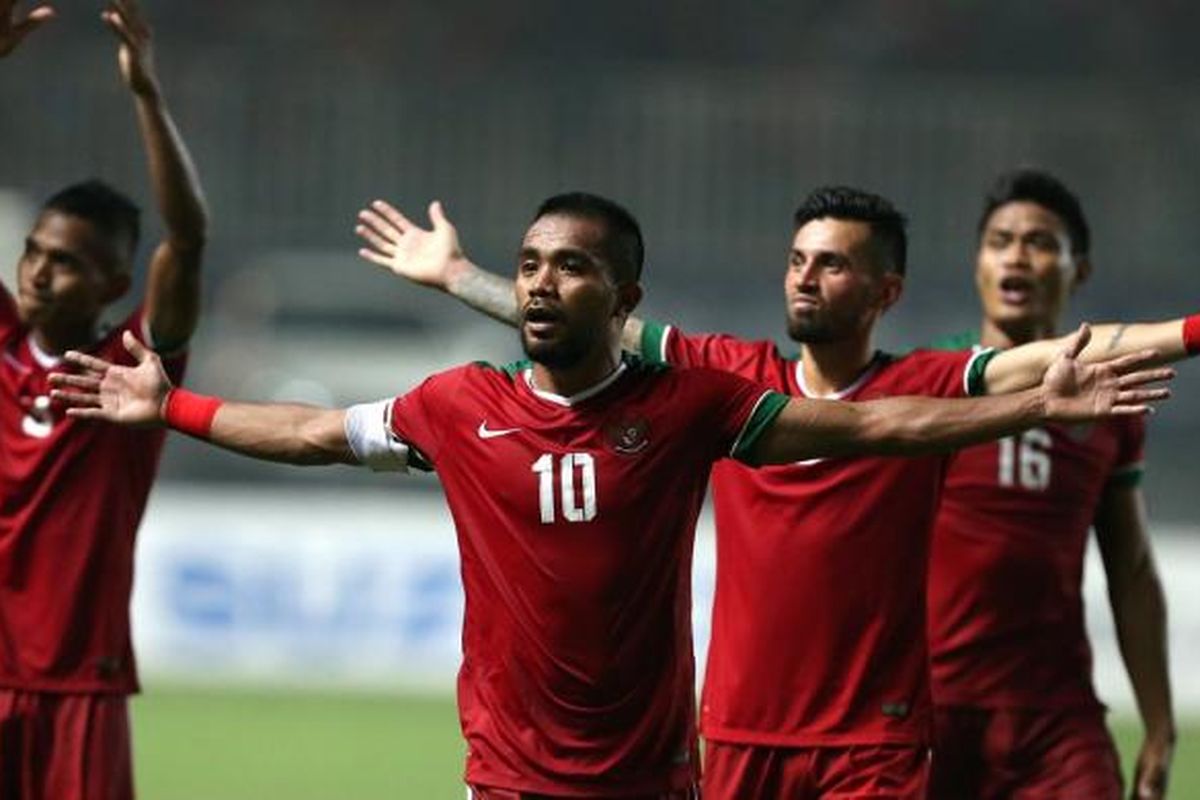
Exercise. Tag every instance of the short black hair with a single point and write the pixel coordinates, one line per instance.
(888, 226)
(113, 213)
(1032, 185)
(626, 250)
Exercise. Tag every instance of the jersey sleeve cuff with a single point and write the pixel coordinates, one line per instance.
(1126, 477)
(655, 336)
(369, 434)
(974, 382)
(764, 413)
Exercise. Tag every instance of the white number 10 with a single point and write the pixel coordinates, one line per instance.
(585, 465)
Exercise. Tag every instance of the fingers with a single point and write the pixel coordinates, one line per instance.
(39, 15)
(393, 215)
(83, 360)
(89, 382)
(1077, 341)
(1132, 361)
(88, 412)
(136, 348)
(375, 258)
(118, 25)
(76, 399)
(1142, 396)
(1145, 376)
(437, 215)
(376, 229)
(384, 227)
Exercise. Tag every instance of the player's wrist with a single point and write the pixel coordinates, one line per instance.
(1191, 334)
(458, 270)
(188, 412)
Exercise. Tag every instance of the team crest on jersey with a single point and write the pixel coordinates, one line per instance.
(629, 437)
(38, 422)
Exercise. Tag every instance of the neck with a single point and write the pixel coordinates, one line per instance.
(58, 341)
(832, 366)
(1003, 335)
(588, 372)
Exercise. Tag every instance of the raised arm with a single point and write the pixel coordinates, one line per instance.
(142, 396)
(1022, 367)
(1140, 615)
(1071, 391)
(172, 304)
(15, 26)
(434, 257)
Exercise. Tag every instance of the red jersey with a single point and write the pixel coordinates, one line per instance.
(818, 634)
(1006, 619)
(575, 520)
(71, 497)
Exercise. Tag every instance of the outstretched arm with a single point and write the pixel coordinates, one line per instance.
(14, 27)
(1140, 614)
(1070, 392)
(143, 396)
(434, 257)
(1022, 367)
(172, 304)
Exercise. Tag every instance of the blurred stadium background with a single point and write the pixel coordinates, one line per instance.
(298, 628)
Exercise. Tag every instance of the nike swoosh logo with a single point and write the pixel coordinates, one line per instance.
(485, 433)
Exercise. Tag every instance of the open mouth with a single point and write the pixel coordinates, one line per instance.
(1016, 290)
(540, 319)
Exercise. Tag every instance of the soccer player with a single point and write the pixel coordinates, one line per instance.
(71, 494)
(1015, 709)
(817, 680)
(574, 480)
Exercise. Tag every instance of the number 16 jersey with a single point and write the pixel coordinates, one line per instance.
(575, 520)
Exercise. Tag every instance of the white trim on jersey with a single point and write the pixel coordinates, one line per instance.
(369, 434)
(662, 345)
(45, 360)
(749, 418)
(977, 352)
(864, 376)
(578, 397)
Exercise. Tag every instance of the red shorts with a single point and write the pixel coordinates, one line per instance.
(487, 793)
(1023, 754)
(55, 746)
(862, 772)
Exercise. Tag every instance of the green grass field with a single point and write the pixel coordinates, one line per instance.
(200, 744)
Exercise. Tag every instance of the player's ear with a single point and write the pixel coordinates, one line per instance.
(1083, 271)
(117, 284)
(628, 296)
(891, 290)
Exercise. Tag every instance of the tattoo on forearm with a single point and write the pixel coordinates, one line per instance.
(1116, 337)
(489, 294)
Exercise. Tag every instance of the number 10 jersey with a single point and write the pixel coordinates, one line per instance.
(575, 519)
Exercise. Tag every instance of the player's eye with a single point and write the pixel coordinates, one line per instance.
(997, 241)
(1044, 242)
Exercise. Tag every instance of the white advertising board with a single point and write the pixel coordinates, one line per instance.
(361, 589)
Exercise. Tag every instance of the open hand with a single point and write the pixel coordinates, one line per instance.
(1078, 392)
(15, 27)
(136, 54)
(131, 396)
(428, 257)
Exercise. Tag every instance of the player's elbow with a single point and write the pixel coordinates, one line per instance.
(320, 441)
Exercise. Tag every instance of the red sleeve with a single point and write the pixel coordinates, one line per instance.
(418, 417)
(941, 373)
(667, 344)
(736, 410)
